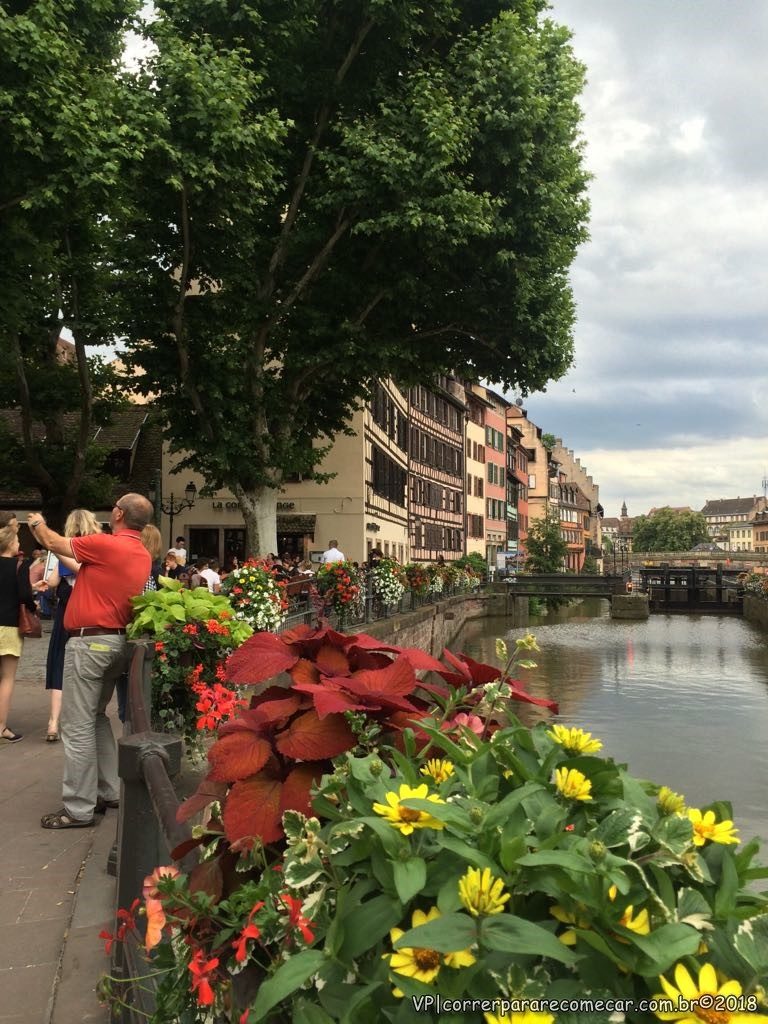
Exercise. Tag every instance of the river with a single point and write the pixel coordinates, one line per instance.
(682, 699)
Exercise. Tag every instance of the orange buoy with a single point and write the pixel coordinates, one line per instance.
(629, 586)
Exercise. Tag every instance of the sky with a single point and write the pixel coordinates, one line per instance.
(667, 400)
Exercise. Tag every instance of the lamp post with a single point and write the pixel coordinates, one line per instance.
(172, 507)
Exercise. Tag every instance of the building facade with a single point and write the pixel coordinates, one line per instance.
(475, 471)
(495, 476)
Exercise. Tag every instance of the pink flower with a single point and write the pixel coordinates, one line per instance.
(462, 720)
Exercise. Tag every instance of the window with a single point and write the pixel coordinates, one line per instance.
(388, 479)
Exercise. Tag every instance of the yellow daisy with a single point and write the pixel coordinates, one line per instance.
(439, 770)
(575, 741)
(568, 937)
(573, 784)
(706, 828)
(686, 988)
(481, 893)
(670, 802)
(405, 818)
(419, 963)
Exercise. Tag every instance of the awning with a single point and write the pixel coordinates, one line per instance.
(299, 525)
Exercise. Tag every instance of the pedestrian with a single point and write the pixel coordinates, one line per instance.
(211, 576)
(153, 542)
(170, 566)
(332, 554)
(114, 568)
(375, 555)
(80, 523)
(180, 551)
(15, 590)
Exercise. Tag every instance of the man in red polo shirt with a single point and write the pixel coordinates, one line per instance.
(114, 568)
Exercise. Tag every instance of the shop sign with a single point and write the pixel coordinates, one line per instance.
(230, 506)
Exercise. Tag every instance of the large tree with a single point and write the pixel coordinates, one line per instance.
(62, 150)
(669, 530)
(330, 192)
(545, 546)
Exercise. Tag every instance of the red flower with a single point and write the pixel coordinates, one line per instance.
(159, 646)
(201, 971)
(127, 922)
(250, 931)
(190, 629)
(295, 917)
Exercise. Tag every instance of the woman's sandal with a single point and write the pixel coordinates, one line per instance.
(51, 737)
(10, 736)
(62, 820)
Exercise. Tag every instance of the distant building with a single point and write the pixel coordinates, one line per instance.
(728, 520)
(760, 531)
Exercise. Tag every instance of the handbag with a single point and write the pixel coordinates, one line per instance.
(30, 625)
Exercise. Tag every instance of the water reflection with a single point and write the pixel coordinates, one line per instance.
(682, 699)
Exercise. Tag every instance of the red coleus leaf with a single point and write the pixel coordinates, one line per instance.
(237, 756)
(521, 694)
(269, 693)
(305, 671)
(396, 680)
(295, 791)
(331, 661)
(205, 794)
(421, 660)
(260, 718)
(261, 657)
(181, 851)
(359, 658)
(208, 877)
(299, 634)
(252, 811)
(307, 738)
(332, 700)
(480, 674)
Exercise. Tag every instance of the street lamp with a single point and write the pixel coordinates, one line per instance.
(172, 507)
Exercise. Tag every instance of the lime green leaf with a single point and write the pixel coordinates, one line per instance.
(447, 934)
(290, 976)
(410, 877)
(506, 933)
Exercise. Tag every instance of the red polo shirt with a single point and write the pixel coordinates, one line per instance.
(115, 568)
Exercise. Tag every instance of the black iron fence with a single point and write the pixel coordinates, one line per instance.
(147, 831)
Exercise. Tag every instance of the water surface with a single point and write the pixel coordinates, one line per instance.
(682, 699)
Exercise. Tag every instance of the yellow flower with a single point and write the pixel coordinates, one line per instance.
(481, 893)
(422, 964)
(568, 937)
(527, 643)
(575, 741)
(692, 991)
(406, 818)
(640, 924)
(670, 802)
(519, 1017)
(437, 769)
(573, 784)
(706, 828)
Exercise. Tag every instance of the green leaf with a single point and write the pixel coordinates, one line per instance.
(617, 828)
(556, 858)
(368, 923)
(506, 933)
(500, 812)
(674, 833)
(410, 877)
(310, 1013)
(468, 853)
(664, 946)
(727, 887)
(751, 941)
(290, 976)
(447, 934)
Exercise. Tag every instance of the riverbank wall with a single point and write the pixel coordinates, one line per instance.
(756, 610)
(435, 627)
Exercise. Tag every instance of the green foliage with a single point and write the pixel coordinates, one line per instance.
(64, 149)
(668, 530)
(545, 546)
(282, 156)
(549, 441)
(475, 561)
(590, 565)
(174, 605)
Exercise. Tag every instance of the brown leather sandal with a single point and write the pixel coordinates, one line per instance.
(61, 820)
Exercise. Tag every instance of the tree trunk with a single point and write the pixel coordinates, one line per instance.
(259, 508)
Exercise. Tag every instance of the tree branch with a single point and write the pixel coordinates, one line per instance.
(314, 268)
(365, 313)
(291, 214)
(86, 400)
(44, 478)
(178, 319)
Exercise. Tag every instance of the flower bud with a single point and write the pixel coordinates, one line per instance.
(476, 815)
(376, 767)
(597, 850)
(670, 802)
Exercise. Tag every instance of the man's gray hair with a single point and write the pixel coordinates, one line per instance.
(137, 511)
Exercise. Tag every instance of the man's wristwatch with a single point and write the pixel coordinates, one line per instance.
(37, 523)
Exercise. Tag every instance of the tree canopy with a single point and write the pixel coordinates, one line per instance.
(323, 194)
(62, 151)
(545, 545)
(669, 530)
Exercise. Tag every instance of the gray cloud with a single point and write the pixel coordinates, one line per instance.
(672, 289)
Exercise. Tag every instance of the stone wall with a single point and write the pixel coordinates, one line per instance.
(435, 627)
(756, 610)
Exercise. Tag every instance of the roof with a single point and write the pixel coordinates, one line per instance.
(610, 523)
(121, 432)
(729, 506)
(672, 508)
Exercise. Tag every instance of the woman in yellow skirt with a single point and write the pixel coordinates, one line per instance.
(15, 590)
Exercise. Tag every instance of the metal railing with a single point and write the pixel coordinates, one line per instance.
(147, 825)
(370, 607)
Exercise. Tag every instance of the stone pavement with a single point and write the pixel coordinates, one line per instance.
(55, 893)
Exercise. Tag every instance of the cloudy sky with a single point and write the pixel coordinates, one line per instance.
(667, 402)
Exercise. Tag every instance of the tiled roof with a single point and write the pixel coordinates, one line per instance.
(729, 506)
(611, 522)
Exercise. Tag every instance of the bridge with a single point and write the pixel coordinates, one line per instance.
(568, 585)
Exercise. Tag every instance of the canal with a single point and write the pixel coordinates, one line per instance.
(682, 699)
